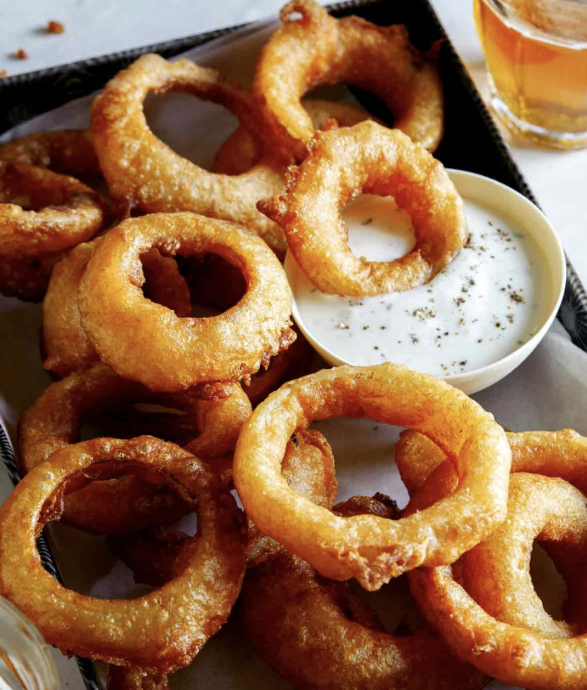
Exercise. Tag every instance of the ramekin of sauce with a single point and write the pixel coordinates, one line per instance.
(472, 324)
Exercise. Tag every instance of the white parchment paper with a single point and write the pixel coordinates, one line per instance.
(549, 391)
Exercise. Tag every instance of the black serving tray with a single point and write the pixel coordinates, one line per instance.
(471, 140)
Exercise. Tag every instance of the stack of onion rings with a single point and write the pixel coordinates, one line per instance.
(311, 630)
(55, 421)
(146, 174)
(148, 343)
(43, 213)
(317, 49)
(516, 655)
(374, 160)
(368, 548)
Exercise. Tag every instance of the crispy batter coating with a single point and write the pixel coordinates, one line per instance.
(56, 419)
(66, 151)
(125, 678)
(41, 211)
(147, 342)
(65, 343)
(372, 159)
(315, 48)
(161, 631)
(368, 548)
(146, 174)
(516, 655)
(243, 149)
(317, 633)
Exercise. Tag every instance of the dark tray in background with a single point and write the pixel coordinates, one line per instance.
(471, 141)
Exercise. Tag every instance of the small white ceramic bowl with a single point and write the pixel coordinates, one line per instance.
(522, 212)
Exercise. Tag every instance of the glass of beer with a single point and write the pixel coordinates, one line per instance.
(536, 56)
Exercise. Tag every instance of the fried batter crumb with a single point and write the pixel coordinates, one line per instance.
(55, 27)
(3, 73)
(21, 54)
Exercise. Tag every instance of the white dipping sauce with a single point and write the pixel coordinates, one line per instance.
(480, 308)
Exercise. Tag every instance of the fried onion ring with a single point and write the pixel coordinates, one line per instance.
(148, 343)
(243, 149)
(374, 160)
(66, 151)
(56, 419)
(161, 631)
(514, 655)
(368, 548)
(318, 49)
(65, 343)
(496, 573)
(145, 173)
(63, 211)
(311, 630)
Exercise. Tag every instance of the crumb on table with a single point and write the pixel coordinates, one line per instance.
(21, 54)
(54, 27)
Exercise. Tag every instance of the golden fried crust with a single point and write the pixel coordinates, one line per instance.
(243, 149)
(56, 419)
(372, 159)
(514, 655)
(369, 548)
(66, 151)
(317, 49)
(63, 211)
(65, 343)
(158, 632)
(27, 278)
(146, 342)
(124, 678)
(319, 634)
(147, 175)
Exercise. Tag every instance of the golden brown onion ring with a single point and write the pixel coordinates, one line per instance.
(368, 548)
(65, 151)
(65, 343)
(496, 573)
(375, 160)
(158, 632)
(512, 654)
(41, 211)
(317, 633)
(317, 49)
(243, 149)
(56, 419)
(145, 173)
(146, 342)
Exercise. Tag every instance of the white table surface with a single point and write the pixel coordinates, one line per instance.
(97, 27)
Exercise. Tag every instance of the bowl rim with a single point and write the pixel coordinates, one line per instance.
(554, 260)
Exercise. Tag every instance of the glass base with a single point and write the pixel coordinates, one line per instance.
(539, 135)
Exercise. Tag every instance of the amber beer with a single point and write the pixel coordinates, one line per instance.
(536, 54)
